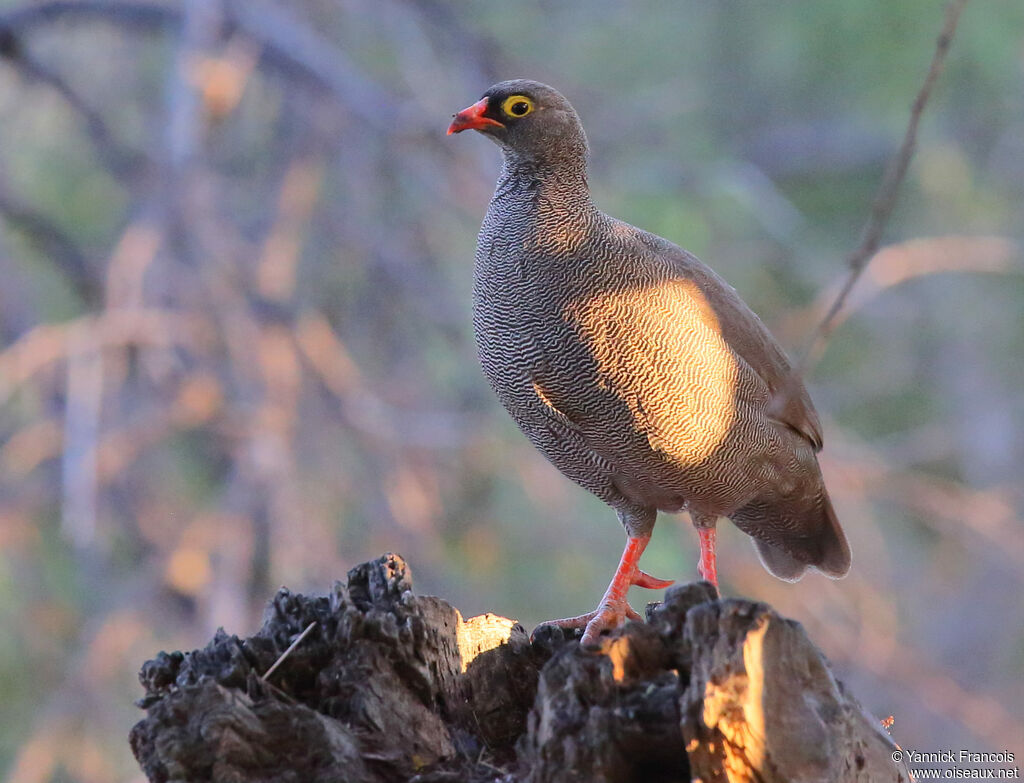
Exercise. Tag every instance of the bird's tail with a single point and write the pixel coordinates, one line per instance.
(816, 539)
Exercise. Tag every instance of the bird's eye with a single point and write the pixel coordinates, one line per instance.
(517, 106)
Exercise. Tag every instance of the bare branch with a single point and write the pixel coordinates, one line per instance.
(885, 198)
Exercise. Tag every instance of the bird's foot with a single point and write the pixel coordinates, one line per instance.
(607, 616)
(614, 609)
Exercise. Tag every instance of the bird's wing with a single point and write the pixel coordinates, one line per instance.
(747, 335)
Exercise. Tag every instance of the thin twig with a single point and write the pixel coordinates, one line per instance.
(885, 198)
(291, 648)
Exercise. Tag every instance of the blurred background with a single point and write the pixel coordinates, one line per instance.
(235, 345)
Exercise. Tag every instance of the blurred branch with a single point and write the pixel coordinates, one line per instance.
(288, 46)
(914, 258)
(297, 197)
(131, 257)
(148, 15)
(196, 403)
(48, 343)
(481, 50)
(122, 162)
(298, 50)
(885, 199)
(201, 22)
(361, 408)
(23, 451)
(981, 519)
(60, 248)
(82, 409)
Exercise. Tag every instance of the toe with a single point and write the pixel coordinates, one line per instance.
(643, 579)
(606, 618)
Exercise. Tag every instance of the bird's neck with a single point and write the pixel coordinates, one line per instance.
(547, 190)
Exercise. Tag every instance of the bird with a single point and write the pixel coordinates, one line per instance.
(633, 367)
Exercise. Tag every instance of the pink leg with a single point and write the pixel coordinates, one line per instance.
(614, 609)
(707, 565)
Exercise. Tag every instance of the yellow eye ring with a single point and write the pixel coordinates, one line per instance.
(516, 106)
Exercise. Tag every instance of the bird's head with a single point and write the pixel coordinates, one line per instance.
(529, 120)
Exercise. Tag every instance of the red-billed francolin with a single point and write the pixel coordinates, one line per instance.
(632, 366)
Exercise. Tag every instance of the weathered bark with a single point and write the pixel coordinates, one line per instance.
(389, 686)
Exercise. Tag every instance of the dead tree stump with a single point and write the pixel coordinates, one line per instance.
(388, 686)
